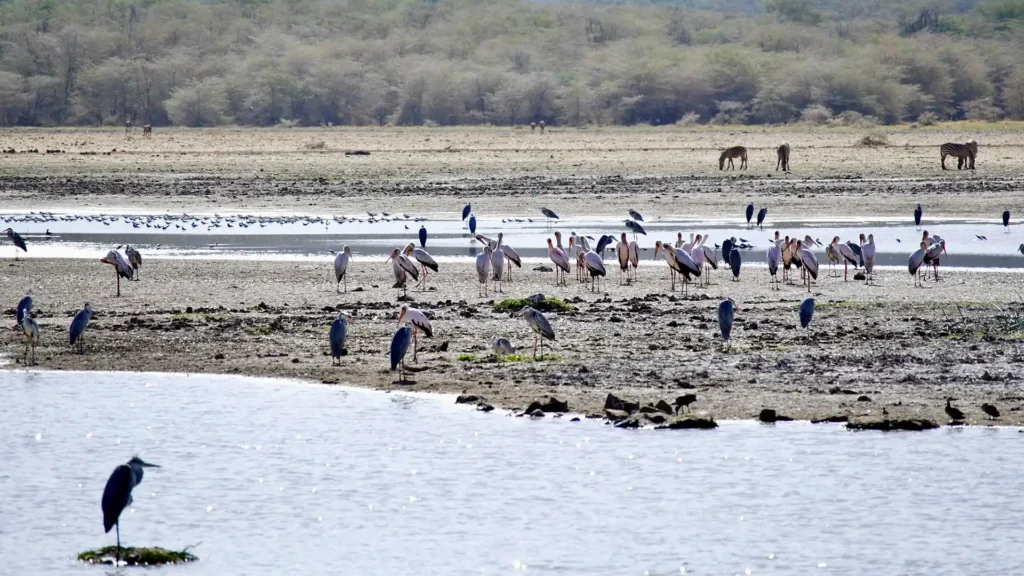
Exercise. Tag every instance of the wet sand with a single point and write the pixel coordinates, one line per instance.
(902, 349)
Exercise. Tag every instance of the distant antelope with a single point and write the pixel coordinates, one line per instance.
(783, 153)
(964, 153)
(127, 126)
(147, 131)
(541, 124)
(731, 153)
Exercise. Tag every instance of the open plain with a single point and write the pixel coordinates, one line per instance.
(889, 350)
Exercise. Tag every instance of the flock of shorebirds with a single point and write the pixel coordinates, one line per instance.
(690, 261)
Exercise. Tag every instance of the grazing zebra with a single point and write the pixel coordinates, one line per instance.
(147, 131)
(965, 154)
(783, 162)
(127, 126)
(731, 153)
(541, 125)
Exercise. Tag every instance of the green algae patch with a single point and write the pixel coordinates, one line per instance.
(136, 556)
(545, 305)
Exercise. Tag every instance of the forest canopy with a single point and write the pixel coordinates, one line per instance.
(502, 62)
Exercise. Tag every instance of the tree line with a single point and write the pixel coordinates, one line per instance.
(504, 62)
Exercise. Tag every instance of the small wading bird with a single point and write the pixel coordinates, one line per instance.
(425, 261)
(419, 322)
(541, 328)
(134, 260)
(402, 268)
(341, 260)
(806, 312)
(337, 336)
(31, 331)
(18, 241)
(501, 347)
(726, 309)
(915, 262)
(117, 495)
(483, 266)
(399, 347)
(121, 268)
(77, 331)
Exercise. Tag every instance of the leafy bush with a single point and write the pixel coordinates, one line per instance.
(927, 119)
(816, 114)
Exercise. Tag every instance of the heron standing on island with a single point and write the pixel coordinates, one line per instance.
(118, 494)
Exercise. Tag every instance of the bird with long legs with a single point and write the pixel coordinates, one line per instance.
(846, 253)
(341, 261)
(806, 312)
(832, 253)
(24, 308)
(402, 268)
(560, 260)
(541, 328)
(511, 256)
(750, 213)
(121, 267)
(400, 343)
(622, 254)
(774, 258)
(726, 312)
(497, 267)
(338, 336)
(918, 212)
(425, 260)
(76, 333)
(595, 268)
(117, 495)
(420, 323)
(483, 268)
(670, 258)
(867, 252)
(915, 262)
(30, 330)
(549, 214)
(134, 260)
(735, 263)
(932, 257)
(17, 240)
(761, 214)
(808, 262)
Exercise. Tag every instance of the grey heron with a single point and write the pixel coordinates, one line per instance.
(726, 310)
(806, 312)
(560, 260)
(549, 214)
(77, 330)
(954, 413)
(337, 336)
(465, 211)
(727, 248)
(774, 256)
(501, 347)
(423, 236)
(991, 411)
(918, 212)
(750, 213)
(424, 259)
(121, 267)
(117, 495)
(341, 261)
(602, 244)
(31, 332)
(540, 326)
(399, 347)
(483, 265)
(595, 267)
(18, 241)
(760, 217)
(636, 216)
(635, 228)
(419, 322)
(915, 262)
(134, 260)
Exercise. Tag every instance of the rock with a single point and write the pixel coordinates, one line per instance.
(136, 556)
(543, 268)
(613, 402)
(657, 418)
(859, 276)
(664, 407)
(469, 399)
(552, 404)
(536, 413)
(863, 399)
(218, 356)
(576, 419)
(616, 415)
(910, 424)
(829, 419)
(769, 416)
(484, 406)
(630, 423)
(648, 409)
(536, 299)
(443, 347)
(690, 423)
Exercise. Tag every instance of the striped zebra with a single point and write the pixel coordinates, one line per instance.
(731, 153)
(783, 153)
(964, 153)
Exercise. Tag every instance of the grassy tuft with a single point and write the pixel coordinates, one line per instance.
(491, 359)
(545, 305)
(137, 556)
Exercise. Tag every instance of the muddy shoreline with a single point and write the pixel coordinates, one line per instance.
(888, 347)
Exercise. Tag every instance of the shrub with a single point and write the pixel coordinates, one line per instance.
(927, 119)
(689, 119)
(816, 114)
(874, 140)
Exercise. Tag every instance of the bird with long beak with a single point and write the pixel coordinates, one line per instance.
(622, 254)
(424, 259)
(418, 320)
(121, 267)
(867, 253)
(934, 251)
(916, 261)
(402, 268)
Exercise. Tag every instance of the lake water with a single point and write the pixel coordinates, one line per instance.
(278, 477)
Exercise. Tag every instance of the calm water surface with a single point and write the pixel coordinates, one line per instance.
(276, 477)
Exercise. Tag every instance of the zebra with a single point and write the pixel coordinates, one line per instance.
(533, 126)
(127, 126)
(731, 153)
(541, 125)
(783, 154)
(965, 154)
(147, 131)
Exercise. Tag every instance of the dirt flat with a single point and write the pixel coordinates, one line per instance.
(904, 349)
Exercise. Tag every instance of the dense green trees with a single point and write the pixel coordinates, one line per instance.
(411, 62)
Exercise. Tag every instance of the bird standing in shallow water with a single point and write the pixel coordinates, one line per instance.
(18, 241)
(117, 495)
(917, 216)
